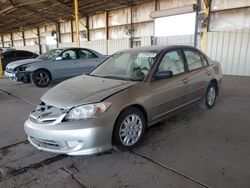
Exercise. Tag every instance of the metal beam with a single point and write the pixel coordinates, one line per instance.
(156, 5)
(206, 26)
(71, 31)
(106, 30)
(11, 39)
(77, 23)
(106, 25)
(207, 3)
(2, 40)
(58, 28)
(131, 27)
(87, 21)
(39, 41)
(24, 42)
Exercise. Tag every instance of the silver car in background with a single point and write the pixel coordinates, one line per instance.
(55, 64)
(114, 104)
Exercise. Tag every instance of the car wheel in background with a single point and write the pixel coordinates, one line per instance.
(41, 78)
(209, 99)
(129, 129)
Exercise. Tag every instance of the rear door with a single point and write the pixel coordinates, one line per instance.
(198, 75)
(87, 61)
(171, 93)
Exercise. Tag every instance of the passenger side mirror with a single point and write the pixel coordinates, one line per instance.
(59, 58)
(163, 75)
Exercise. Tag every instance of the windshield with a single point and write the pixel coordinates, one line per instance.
(133, 66)
(52, 54)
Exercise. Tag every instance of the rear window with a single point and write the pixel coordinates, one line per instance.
(8, 54)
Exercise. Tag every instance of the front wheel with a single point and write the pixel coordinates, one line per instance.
(129, 129)
(209, 99)
(41, 78)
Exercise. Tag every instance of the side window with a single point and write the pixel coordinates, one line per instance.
(85, 54)
(69, 54)
(29, 54)
(172, 62)
(204, 60)
(193, 59)
(26, 54)
(19, 54)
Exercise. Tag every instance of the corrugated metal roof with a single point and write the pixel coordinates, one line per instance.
(18, 15)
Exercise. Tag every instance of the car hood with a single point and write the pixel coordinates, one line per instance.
(15, 64)
(83, 90)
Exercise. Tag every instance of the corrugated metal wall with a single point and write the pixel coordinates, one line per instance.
(118, 44)
(34, 48)
(103, 46)
(231, 49)
(181, 39)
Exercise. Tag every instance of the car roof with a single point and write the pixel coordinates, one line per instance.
(156, 48)
(68, 48)
(12, 51)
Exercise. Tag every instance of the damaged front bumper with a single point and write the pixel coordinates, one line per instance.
(48, 131)
(18, 76)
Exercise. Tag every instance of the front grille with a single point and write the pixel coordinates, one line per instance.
(46, 114)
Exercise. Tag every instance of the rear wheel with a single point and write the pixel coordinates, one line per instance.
(129, 129)
(209, 99)
(41, 78)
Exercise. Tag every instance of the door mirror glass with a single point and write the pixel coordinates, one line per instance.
(163, 75)
(59, 58)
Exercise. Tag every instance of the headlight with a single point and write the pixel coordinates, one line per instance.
(87, 111)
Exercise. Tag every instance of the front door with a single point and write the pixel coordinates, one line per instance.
(66, 67)
(171, 93)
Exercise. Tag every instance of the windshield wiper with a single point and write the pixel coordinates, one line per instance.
(92, 75)
(115, 77)
(119, 78)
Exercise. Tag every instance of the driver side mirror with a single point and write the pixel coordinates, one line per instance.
(163, 75)
(59, 58)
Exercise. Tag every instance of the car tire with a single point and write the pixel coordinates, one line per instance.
(209, 98)
(41, 78)
(129, 129)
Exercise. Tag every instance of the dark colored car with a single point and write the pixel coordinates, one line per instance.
(9, 56)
